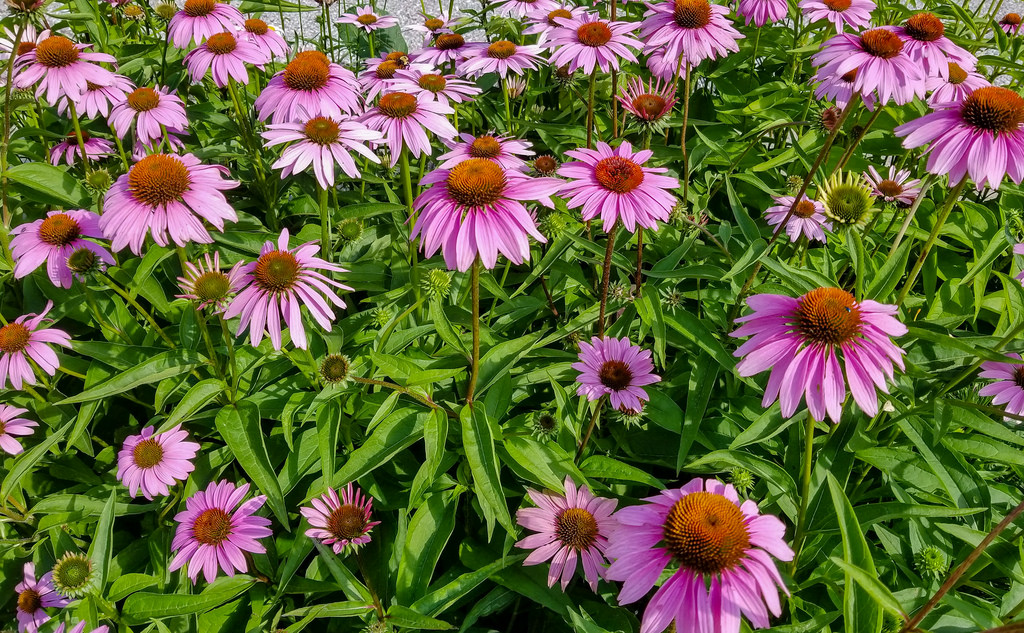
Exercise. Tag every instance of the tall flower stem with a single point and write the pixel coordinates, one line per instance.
(962, 568)
(590, 111)
(807, 465)
(369, 38)
(947, 208)
(369, 585)
(325, 225)
(406, 180)
(638, 279)
(113, 285)
(925, 186)
(686, 116)
(120, 152)
(508, 109)
(753, 55)
(232, 364)
(590, 427)
(860, 136)
(398, 388)
(615, 82)
(78, 136)
(475, 299)
(8, 91)
(606, 275)
(163, 56)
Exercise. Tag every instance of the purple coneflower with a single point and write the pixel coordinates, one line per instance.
(981, 136)
(520, 8)
(475, 209)
(546, 21)
(278, 284)
(501, 57)
(797, 339)
(761, 12)
(152, 463)
(22, 339)
(721, 549)
(808, 218)
(1010, 23)
(324, 143)
(340, 522)
(52, 240)
(226, 56)
(309, 85)
(501, 149)
(615, 368)
(855, 14)
(62, 69)
(365, 19)
(34, 597)
(97, 100)
(839, 88)
(70, 152)
(585, 41)
(148, 108)
(570, 527)
(957, 84)
(614, 184)
(898, 187)
(692, 29)
(169, 196)
(404, 120)
(650, 103)
(432, 26)
(435, 86)
(1008, 390)
(11, 427)
(206, 284)
(447, 48)
(199, 19)
(378, 78)
(882, 65)
(214, 531)
(265, 38)
(925, 43)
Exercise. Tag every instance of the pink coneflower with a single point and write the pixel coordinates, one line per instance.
(324, 143)
(721, 548)
(30, 38)
(585, 41)
(34, 597)
(169, 196)
(899, 187)
(364, 18)
(545, 21)
(501, 57)
(808, 218)
(1008, 390)
(378, 80)
(761, 12)
(404, 121)
(226, 56)
(432, 26)
(692, 29)
(98, 100)
(958, 83)
(649, 103)
(475, 209)
(1010, 23)
(199, 19)
(855, 14)
(340, 522)
(925, 43)
(665, 68)
(797, 339)
(615, 368)
(265, 38)
(980, 136)
(52, 240)
(152, 463)
(570, 527)
(839, 88)
(614, 184)
(520, 8)
(501, 149)
(882, 65)
(280, 282)
(447, 48)
(68, 149)
(435, 86)
(310, 85)
(148, 108)
(206, 284)
(11, 426)
(22, 339)
(62, 69)
(212, 534)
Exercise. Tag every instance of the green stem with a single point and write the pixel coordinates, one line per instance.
(925, 186)
(805, 490)
(113, 285)
(325, 225)
(860, 136)
(682, 142)
(508, 110)
(590, 427)
(1003, 342)
(8, 91)
(606, 274)
(78, 136)
(947, 208)
(203, 329)
(590, 111)
(475, 299)
(232, 365)
(400, 389)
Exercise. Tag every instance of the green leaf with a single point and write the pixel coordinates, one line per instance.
(394, 434)
(144, 606)
(103, 541)
(127, 584)
(198, 396)
(860, 610)
(239, 425)
(347, 609)
(478, 442)
(440, 600)
(50, 183)
(871, 584)
(428, 533)
(166, 365)
(890, 273)
(703, 378)
(28, 460)
(501, 358)
(435, 436)
(407, 618)
(602, 467)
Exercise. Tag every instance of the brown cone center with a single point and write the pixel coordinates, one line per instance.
(347, 522)
(706, 532)
(199, 8)
(221, 43)
(212, 527)
(994, 108)
(307, 72)
(925, 27)
(618, 174)
(397, 105)
(276, 271)
(143, 99)
(615, 374)
(485, 147)
(828, 316)
(558, 13)
(321, 130)
(14, 337)
(890, 188)
(594, 34)
(476, 182)
(158, 179)
(56, 51)
(881, 43)
(29, 601)
(576, 528)
(649, 106)
(545, 164)
(449, 42)
(805, 209)
(501, 50)
(367, 19)
(59, 229)
(433, 82)
(692, 14)
(256, 27)
(838, 5)
(148, 453)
